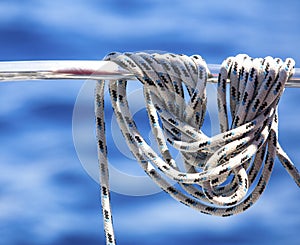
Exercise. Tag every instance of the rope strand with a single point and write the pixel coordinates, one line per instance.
(219, 170)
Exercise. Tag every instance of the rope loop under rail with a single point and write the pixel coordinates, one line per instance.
(221, 169)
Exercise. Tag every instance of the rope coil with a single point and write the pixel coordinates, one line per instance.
(221, 170)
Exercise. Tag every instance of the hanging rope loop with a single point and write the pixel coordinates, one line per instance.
(221, 169)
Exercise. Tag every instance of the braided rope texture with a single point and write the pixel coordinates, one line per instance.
(224, 174)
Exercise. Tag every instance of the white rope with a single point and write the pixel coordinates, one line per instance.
(219, 170)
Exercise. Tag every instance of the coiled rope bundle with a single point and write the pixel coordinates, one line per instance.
(219, 170)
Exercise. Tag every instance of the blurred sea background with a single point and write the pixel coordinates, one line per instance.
(46, 196)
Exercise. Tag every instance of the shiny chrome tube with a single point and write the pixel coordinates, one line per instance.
(86, 69)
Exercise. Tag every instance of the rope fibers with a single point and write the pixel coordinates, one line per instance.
(224, 174)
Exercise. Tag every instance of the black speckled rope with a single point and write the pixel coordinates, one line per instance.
(219, 170)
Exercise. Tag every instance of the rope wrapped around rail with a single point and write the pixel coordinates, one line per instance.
(224, 174)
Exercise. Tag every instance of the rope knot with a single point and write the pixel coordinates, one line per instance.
(218, 170)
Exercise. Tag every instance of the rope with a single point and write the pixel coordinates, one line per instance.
(224, 174)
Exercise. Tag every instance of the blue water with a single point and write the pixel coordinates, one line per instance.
(46, 197)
